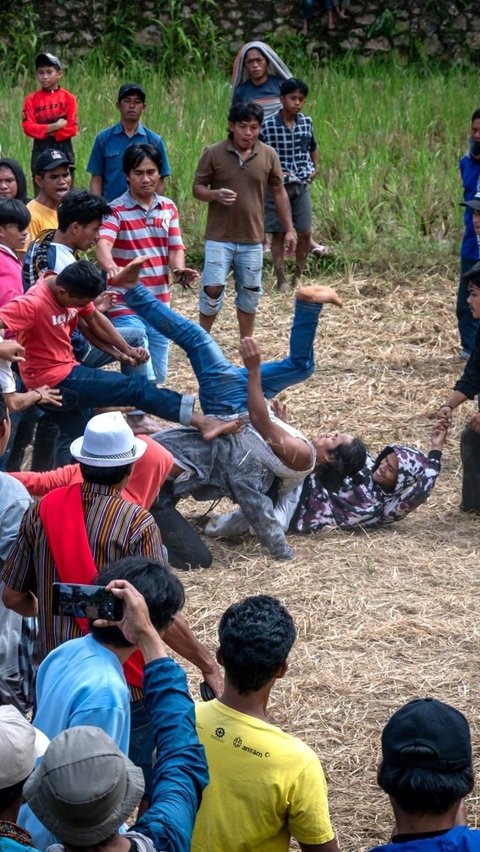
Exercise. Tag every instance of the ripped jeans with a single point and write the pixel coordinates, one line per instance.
(245, 259)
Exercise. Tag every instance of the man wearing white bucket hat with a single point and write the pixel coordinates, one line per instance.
(20, 746)
(75, 531)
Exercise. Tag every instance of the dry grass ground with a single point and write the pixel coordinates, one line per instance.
(382, 616)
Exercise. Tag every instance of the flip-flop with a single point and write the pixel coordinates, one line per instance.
(320, 251)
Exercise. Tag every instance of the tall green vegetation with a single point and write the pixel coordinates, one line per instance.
(389, 139)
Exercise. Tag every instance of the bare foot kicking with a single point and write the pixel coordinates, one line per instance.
(212, 428)
(319, 294)
(128, 277)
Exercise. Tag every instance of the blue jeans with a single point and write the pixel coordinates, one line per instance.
(467, 326)
(157, 345)
(222, 385)
(246, 261)
(86, 388)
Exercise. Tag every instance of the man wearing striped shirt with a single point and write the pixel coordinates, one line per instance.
(143, 223)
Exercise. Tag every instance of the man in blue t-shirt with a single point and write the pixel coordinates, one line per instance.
(105, 163)
(427, 770)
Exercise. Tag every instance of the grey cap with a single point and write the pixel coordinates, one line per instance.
(84, 788)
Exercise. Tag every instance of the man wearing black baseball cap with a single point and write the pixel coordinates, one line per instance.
(105, 163)
(53, 179)
(426, 770)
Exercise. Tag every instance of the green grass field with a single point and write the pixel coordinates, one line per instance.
(389, 139)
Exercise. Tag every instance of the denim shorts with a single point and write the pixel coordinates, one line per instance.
(245, 259)
(301, 207)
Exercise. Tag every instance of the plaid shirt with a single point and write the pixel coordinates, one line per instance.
(292, 146)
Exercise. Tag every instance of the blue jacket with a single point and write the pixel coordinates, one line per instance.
(470, 172)
(180, 773)
(458, 839)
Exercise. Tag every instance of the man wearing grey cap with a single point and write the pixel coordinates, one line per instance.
(105, 163)
(85, 788)
(20, 746)
(427, 770)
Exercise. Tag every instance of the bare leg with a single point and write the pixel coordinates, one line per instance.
(206, 320)
(245, 323)
(278, 263)
(330, 21)
(301, 254)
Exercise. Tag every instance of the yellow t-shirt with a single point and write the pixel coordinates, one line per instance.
(43, 218)
(265, 786)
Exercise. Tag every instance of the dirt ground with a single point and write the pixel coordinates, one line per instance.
(382, 616)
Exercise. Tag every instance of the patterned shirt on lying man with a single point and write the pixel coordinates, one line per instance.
(292, 146)
(133, 230)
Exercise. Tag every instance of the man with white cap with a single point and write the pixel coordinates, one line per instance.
(75, 531)
(20, 745)
(82, 682)
(84, 789)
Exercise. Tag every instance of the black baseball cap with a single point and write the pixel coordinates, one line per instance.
(432, 724)
(131, 89)
(47, 59)
(49, 160)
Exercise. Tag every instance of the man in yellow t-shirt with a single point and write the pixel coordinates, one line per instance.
(265, 785)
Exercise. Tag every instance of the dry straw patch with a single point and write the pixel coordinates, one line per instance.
(382, 616)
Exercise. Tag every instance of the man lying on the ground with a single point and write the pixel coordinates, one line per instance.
(242, 466)
(427, 770)
(223, 387)
(387, 488)
(82, 682)
(265, 785)
(85, 788)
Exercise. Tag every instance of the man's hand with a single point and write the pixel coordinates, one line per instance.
(444, 414)
(250, 352)
(59, 124)
(48, 396)
(127, 276)
(214, 678)
(135, 355)
(105, 301)
(279, 409)
(135, 624)
(12, 351)
(313, 175)
(225, 196)
(439, 433)
(290, 243)
(185, 276)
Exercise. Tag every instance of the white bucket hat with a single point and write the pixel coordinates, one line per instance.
(20, 745)
(107, 441)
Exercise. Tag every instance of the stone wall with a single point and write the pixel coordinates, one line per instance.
(446, 29)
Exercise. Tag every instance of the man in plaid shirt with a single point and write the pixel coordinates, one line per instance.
(290, 133)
